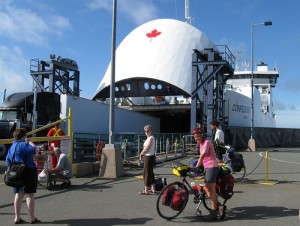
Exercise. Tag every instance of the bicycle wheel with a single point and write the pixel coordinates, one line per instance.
(238, 176)
(172, 200)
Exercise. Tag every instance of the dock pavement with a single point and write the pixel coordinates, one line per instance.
(268, 199)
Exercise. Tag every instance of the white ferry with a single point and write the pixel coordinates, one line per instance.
(238, 97)
(153, 75)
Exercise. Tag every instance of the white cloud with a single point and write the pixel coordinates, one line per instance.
(279, 106)
(288, 118)
(25, 25)
(100, 4)
(12, 69)
(138, 11)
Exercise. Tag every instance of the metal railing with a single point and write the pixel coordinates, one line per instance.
(69, 135)
(168, 145)
(82, 146)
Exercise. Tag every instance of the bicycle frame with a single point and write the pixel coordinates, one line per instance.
(166, 211)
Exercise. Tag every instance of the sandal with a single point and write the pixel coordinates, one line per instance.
(143, 193)
(154, 192)
(21, 221)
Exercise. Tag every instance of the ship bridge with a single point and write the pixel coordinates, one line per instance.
(155, 62)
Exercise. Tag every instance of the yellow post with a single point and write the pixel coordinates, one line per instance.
(267, 166)
(267, 182)
(70, 133)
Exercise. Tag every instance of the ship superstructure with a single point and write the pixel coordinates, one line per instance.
(237, 96)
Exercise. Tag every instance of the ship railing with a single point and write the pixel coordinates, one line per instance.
(168, 145)
(226, 54)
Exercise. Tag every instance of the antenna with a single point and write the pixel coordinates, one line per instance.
(245, 65)
(188, 19)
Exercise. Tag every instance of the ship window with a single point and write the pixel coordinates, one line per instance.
(153, 86)
(128, 87)
(122, 88)
(159, 86)
(146, 85)
(117, 89)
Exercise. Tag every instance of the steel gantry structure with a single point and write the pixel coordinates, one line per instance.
(210, 69)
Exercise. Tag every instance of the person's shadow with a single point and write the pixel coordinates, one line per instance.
(100, 221)
(255, 212)
(260, 212)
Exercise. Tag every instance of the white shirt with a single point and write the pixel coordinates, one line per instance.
(65, 166)
(219, 135)
(152, 147)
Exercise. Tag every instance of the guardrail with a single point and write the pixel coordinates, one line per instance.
(168, 145)
(82, 146)
(68, 137)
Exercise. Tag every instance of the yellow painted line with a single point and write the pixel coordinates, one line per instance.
(141, 177)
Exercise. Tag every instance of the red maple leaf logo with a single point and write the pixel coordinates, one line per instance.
(153, 34)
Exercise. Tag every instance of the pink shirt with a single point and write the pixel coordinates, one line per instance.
(209, 160)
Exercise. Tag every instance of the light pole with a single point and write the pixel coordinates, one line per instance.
(112, 80)
(268, 23)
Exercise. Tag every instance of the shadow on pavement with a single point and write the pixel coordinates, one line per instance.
(260, 212)
(102, 222)
(248, 213)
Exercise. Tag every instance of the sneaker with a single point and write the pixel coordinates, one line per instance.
(212, 216)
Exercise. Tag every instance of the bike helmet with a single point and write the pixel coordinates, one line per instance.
(198, 131)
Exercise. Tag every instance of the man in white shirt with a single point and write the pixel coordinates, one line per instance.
(63, 171)
(218, 140)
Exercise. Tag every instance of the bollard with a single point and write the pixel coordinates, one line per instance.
(267, 182)
(267, 166)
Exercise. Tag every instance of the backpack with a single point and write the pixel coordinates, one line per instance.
(168, 195)
(199, 170)
(160, 183)
(178, 199)
(237, 162)
(225, 186)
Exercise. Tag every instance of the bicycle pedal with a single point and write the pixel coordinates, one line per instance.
(198, 213)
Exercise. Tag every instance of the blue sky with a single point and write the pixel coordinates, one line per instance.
(81, 30)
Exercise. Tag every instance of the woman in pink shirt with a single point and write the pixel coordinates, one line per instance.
(208, 160)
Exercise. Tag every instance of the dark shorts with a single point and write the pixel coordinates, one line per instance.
(31, 181)
(211, 175)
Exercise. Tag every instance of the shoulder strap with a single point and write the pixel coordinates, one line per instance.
(13, 157)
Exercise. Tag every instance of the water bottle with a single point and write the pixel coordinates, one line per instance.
(193, 186)
(200, 187)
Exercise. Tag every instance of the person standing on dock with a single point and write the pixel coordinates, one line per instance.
(218, 140)
(54, 132)
(148, 154)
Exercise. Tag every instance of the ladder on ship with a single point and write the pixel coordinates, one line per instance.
(211, 68)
